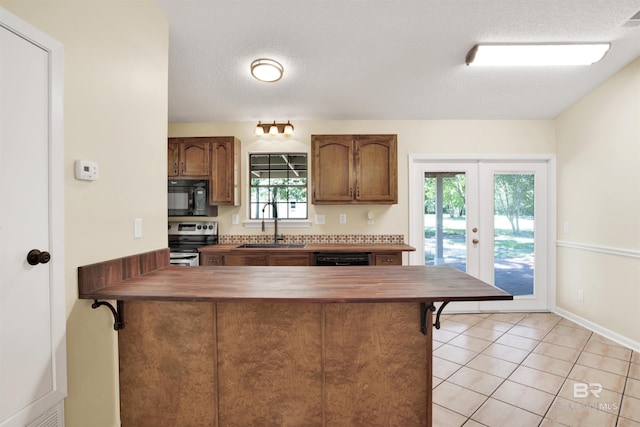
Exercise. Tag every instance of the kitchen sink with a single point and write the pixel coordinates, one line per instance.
(271, 245)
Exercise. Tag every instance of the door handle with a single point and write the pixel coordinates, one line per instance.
(475, 241)
(35, 257)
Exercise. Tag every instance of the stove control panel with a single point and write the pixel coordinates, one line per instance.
(193, 228)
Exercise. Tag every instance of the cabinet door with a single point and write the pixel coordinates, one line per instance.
(222, 172)
(376, 169)
(173, 157)
(240, 260)
(194, 157)
(211, 259)
(289, 259)
(332, 164)
(388, 258)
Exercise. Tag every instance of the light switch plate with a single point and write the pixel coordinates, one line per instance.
(343, 218)
(137, 228)
(320, 219)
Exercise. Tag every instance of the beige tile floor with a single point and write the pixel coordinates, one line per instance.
(531, 369)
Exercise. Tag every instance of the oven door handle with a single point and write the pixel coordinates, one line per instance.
(184, 257)
(183, 262)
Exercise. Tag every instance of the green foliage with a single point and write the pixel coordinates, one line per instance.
(453, 195)
(514, 197)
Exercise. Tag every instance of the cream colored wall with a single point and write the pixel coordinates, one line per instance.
(115, 114)
(116, 65)
(598, 154)
(414, 137)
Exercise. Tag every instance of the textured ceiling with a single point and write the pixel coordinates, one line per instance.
(383, 59)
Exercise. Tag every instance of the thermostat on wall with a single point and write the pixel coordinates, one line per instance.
(86, 170)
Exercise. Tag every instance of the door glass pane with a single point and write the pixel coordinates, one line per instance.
(445, 219)
(513, 232)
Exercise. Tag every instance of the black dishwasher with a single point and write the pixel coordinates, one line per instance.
(341, 258)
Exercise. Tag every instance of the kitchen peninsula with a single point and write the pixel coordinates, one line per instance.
(312, 346)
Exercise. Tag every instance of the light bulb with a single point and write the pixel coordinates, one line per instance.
(259, 130)
(288, 129)
(273, 130)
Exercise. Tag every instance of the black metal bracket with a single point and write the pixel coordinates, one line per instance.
(423, 316)
(444, 304)
(118, 313)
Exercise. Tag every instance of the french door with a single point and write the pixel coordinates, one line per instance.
(489, 218)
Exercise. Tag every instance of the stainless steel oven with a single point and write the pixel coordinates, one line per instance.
(186, 237)
(185, 259)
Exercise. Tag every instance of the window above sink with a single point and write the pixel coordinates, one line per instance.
(278, 179)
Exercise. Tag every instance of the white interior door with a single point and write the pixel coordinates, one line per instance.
(489, 218)
(32, 315)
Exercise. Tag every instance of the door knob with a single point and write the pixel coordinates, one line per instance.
(475, 241)
(35, 257)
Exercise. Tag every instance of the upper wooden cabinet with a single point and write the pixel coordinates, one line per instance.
(354, 169)
(216, 158)
(224, 188)
(189, 157)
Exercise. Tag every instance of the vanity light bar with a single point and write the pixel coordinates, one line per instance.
(274, 128)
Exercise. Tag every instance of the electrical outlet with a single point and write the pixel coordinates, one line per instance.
(320, 219)
(580, 294)
(343, 218)
(565, 227)
(235, 219)
(370, 218)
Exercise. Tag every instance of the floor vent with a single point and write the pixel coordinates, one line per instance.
(52, 418)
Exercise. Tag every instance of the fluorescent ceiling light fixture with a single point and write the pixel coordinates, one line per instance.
(267, 70)
(524, 55)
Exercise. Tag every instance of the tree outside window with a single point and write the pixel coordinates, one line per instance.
(281, 179)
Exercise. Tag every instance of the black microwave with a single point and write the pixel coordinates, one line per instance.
(189, 198)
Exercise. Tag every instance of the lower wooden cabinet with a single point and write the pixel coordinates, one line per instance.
(211, 259)
(388, 258)
(290, 259)
(245, 259)
(284, 259)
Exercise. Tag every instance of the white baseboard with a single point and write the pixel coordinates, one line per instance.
(613, 336)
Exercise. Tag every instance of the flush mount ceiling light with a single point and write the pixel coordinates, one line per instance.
(495, 55)
(274, 128)
(266, 70)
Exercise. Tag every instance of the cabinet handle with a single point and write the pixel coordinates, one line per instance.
(350, 191)
(182, 167)
(175, 168)
(358, 191)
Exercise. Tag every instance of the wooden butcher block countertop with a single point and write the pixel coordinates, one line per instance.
(300, 285)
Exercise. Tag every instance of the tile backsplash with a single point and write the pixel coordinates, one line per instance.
(357, 239)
